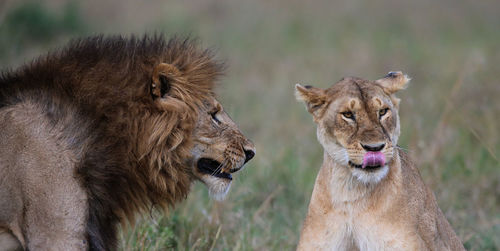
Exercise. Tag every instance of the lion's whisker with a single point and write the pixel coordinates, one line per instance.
(221, 165)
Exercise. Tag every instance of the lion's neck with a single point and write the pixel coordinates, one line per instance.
(342, 188)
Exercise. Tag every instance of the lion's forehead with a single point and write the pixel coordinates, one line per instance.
(229, 130)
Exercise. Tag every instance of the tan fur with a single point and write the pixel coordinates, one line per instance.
(8, 242)
(352, 208)
(104, 129)
(45, 205)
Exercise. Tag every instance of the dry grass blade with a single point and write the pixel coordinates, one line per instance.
(481, 141)
(195, 245)
(267, 202)
(438, 140)
(216, 238)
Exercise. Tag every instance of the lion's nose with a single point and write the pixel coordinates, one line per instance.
(249, 154)
(373, 147)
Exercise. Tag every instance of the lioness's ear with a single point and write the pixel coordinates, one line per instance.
(313, 97)
(163, 74)
(393, 82)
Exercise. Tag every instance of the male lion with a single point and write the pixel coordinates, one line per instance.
(104, 129)
(368, 195)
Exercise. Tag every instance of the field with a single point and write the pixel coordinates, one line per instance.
(450, 113)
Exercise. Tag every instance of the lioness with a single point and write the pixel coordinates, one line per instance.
(368, 195)
(108, 127)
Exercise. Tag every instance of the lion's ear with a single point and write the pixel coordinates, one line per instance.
(313, 97)
(163, 74)
(393, 82)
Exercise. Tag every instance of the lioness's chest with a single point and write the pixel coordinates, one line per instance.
(365, 231)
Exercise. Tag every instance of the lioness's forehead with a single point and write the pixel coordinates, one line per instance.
(355, 88)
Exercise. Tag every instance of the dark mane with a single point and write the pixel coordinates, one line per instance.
(83, 59)
(96, 93)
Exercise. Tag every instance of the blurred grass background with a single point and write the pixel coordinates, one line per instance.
(450, 113)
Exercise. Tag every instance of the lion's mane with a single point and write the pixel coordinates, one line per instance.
(130, 153)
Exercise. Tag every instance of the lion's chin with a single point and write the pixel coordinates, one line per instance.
(373, 176)
(217, 187)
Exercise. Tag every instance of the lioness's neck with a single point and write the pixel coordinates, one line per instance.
(342, 187)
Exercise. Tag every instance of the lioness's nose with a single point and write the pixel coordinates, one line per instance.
(373, 147)
(249, 153)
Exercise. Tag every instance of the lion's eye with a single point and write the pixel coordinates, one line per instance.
(348, 115)
(382, 112)
(214, 117)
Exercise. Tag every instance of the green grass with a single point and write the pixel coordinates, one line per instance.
(33, 26)
(450, 113)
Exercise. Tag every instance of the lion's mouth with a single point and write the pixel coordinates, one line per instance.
(368, 168)
(212, 167)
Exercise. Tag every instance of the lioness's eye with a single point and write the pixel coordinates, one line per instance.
(348, 115)
(214, 117)
(382, 112)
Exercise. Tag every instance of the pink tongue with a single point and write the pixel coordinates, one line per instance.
(373, 159)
